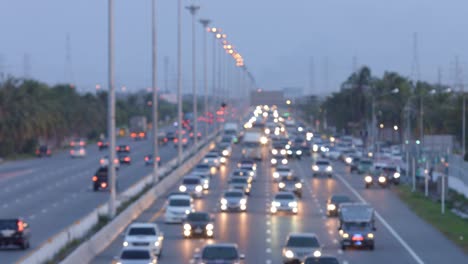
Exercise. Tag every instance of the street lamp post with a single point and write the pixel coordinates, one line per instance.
(179, 81)
(205, 23)
(193, 11)
(155, 92)
(374, 119)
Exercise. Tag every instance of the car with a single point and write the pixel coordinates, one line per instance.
(240, 183)
(299, 246)
(225, 253)
(78, 142)
(353, 165)
(124, 158)
(123, 148)
(278, 159)
(233, 200)
(104, 162)
(294, 152)
(149, 161)
(177, 208)
(205, 179)
(212, 159)
(321, 260)
(364, 165)
(356, 226)
(43, 151)
(100, 179)
(136, 255)
(162, 138)
(393, 173)
(102, 144)
(291, 184)
(251, 167)
(322, 167)
(78, 152)
(191, 135)
(198, 224)
(16, 232)
(284, 201)
(278, 147)
(184, 142)
(247, 163)
(144, 235)
(227, 139)
(281, 171)
(203, 168)
(243, 173)
(333, 203)
(332, 153)
(377, 177)
(171, 135)
(192, 185)
(226, 149)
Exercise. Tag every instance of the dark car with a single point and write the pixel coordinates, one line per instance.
(292, 184)
(14, 232)
(198, 224)
(100, 179)
(354, 165)
(43, 151)
(124, 158)
(103, 144)
(333, 203)
(219, 253)
(171, 135)
(377, 177)
(321, 260)
(149, 161)
(123, 149)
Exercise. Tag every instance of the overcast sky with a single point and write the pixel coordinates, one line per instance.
(277, 39)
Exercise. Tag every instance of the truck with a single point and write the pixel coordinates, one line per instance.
(231, 128)
(252, 144)
(357, 225)
(138, 127)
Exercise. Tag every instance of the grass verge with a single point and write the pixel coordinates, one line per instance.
(452, 226)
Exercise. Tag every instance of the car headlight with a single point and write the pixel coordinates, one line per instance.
(298, 185)
(331, 207)
(329, 168)
(205, 161)
(187, 212)
(267, 131)
(289, 254)
(317, 253)
(370, 235)
(287, 146)
(252, 173)
(368, 179)
(382, 179)
(276, 204)
(315, 148)
(243, 201)
(323, 149)
(223, 201)
(292, 204)
(199, 188)
(284, 161)
(345, 235)
(209, 227)
(125, 244)
(396, 175)
(156, 243)
(275, 174)
(182, 188)
(289, 152)
(274, 151)
(223, 160)
(315, 168)
(263, 140)
(281, 185)
(225, 152)
(187, 227)
(283, 152)
(273, 161)
(348, 160)
(298, 152)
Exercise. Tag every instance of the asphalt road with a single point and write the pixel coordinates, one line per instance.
(401, 237)
(52, 193)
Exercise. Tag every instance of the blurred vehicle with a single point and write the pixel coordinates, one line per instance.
(202, 168)
(353, 165)
(192, 185)
(321, 260)
(184, 142)
(252, 142)
(365, 165)
(377, 177)
(248, 174)
(171, 135)
(100, 179)
(393, 173)
(198, 224)
(294, 152)
(102, 144)
(149, 161)
(285, 202)
(222, 253)
(104, 162)
(292, 184)
(78, 142)
(146, 235)
(281, 171)
(332, 153)
(43, 151)
(226, 149)
(162, 138)
(233, 200)
(240, 183)
(299, 246)
(136, 255)
(199, 135)
(212, 159)
(138, 127)
(333, 204)
(123, 148)
(357, 225)
(16, 232)
(322, 167)
(124, 158)
(177, 208)
(278, 159)
(78, 152)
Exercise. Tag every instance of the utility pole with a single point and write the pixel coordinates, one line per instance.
(155, 92)
(205, 23)
(179, 81)
(166, 74)
(415, 71)
(69, 76)
(111, 112)
(311, 75)
(193, 11)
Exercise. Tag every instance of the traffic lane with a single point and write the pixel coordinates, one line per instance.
(420, 235)
(387, 248)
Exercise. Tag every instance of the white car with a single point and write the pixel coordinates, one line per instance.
(205, 179)
(281, 171)
(136, 255)
(177, 208)
(284, 201)
(78, 152)
(322, 167)
(212, 159)
(299, 246)
(192, 185)
(144, 235)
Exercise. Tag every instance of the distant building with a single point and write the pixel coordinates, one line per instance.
(293, 92)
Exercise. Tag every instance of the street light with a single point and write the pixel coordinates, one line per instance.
(179, 81)
(374, 121)
(205, 23)
(193, 10)
(155, 91)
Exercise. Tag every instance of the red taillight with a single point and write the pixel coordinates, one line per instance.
(117, 148)
(103, 185)
(116, 161)
(37, 152)
(176, 140)
(72, 144)
(199, 134)
(191, 134)
(20, 226)
(94, 178)
(82, 143)
(146, 158)
(158, 159)
(48, 151)
(142, 134)
(127, 159)
(72, 151)
(133, 135)
(99, 143)
(165, 139)
(184, 140)
(127, 148)
(358, 238)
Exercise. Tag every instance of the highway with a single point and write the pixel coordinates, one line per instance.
(401, 237)
(52, 193)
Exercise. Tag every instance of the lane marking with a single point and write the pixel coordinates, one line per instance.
(157, 214)
(384, 222)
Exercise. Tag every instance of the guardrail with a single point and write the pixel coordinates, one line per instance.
(170, 173)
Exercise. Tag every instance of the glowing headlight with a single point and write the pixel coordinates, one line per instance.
(315, 168)
(187, 212)
(317, 253)
(323, 149)
(370, 235)
(225, 152)
(263, 140)
(205, 160)
(283, 152)
(284, 161)
(274, 151)
(156, 243)
(345, 235)
(396, 175)
(300, 129)
(251, 173)
(275, 174)
(289, 152)
(368, 179)
(315, 148)
(287, 146)
(223, 201)
(182, 188)
(187, 227)
(243, 201)
(348, 160)
(199, 188)
(331, 207)
(370, 154)
(267, 131)
(125, 244)
(273, 161)
(298, 152)
(329, 168)
(298, 185)
(282, 185)
(223, 160)
(209, 227)
(309, 135)
(292, 204)
(276, 204)
(382, 179)
(289, 254)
